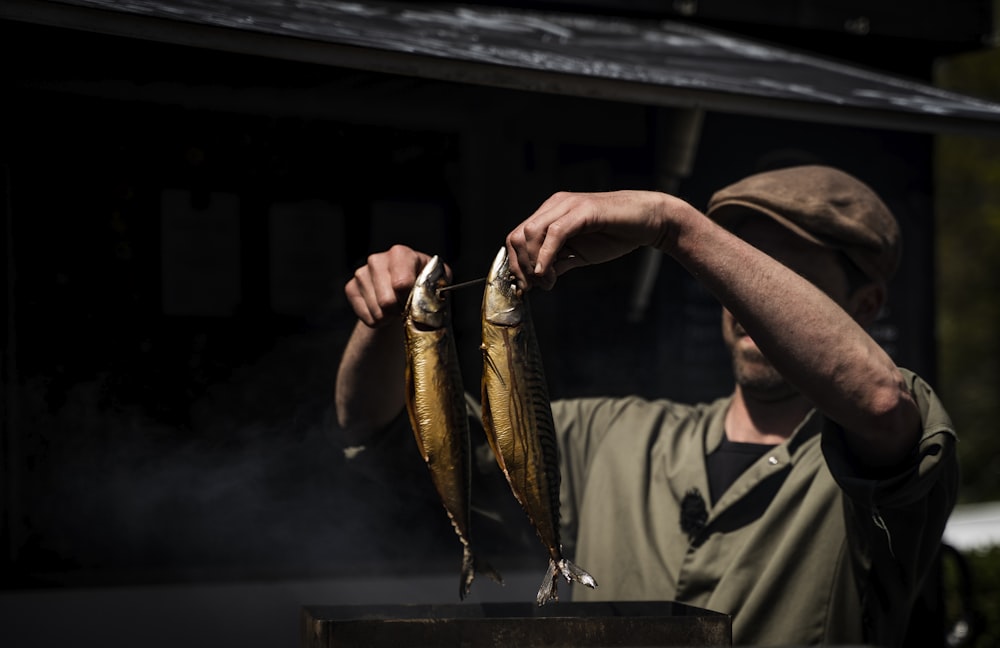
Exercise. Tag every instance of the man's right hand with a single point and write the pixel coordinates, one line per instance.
(379, 289)
(369, 389)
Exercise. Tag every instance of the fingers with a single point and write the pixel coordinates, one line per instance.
(535, 245)
(571, 230)
(379, 289)
(358, 291)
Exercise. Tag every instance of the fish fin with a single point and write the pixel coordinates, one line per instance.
(485, 568)
(468, 572)
(488, 360)
(572, 572)
(549, 588)
(489, 514)
(470, 567)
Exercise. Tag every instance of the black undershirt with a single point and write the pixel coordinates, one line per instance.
(728, 462)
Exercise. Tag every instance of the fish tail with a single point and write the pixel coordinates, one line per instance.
(572, 572)
(471, 565)
(568, 570)
(484, 567)
(549, 591)
(468, 572)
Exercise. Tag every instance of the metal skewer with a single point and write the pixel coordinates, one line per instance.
(471, 282)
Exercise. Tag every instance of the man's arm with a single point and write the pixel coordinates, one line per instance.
(369, 388)
(815, 344)
(810, 339)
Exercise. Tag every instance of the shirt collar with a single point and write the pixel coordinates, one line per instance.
(810, 426)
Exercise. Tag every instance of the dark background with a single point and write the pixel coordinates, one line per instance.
(179, 224)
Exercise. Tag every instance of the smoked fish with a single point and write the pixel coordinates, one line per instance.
(435, 402)
(517, 417)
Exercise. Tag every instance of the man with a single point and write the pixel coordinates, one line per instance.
(810, 502)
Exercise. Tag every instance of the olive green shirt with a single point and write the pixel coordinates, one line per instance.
(801, 549)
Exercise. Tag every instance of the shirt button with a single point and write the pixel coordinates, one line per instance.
(772, 460)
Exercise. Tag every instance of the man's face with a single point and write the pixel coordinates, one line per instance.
(754, 374)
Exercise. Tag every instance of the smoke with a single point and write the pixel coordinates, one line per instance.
(251, 480)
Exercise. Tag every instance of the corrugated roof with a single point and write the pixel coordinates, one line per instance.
(658, 63)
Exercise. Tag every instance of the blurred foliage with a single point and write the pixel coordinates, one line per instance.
(984, 598)
(967, 211)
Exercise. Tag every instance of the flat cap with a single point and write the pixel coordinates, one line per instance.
(823, 205)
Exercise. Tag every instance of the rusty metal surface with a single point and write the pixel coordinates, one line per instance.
(653, 623)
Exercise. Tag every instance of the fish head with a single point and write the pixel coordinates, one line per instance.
(503, 299)
(426, 306)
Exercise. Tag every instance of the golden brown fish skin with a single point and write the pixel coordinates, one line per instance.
(435, 403)
(517, 418)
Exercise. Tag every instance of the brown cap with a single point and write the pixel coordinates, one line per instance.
(822, 205)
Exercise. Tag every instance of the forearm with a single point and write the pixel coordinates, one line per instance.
(816, 346)
(810, 339)
(369, 388)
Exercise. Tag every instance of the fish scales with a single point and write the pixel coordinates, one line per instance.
(517, 417)
(435, 403)
(523, 436)
(433, 411)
